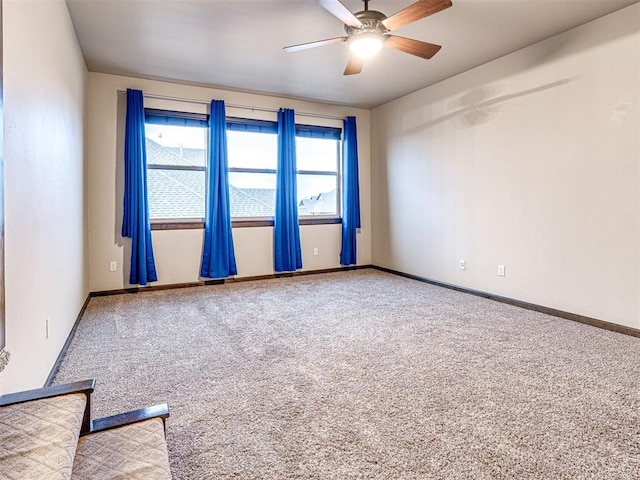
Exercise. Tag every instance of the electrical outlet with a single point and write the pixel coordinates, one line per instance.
(113, 266)
(501, 270)
(463, 264)
(315, 252)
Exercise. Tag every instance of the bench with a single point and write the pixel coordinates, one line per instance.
(48, 433)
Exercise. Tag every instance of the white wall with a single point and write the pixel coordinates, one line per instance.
(531, 161)
(44, 88)
(178, 252)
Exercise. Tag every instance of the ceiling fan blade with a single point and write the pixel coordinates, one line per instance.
(415, 12)
(340, 11)
(414, 47)
(354, 65)
(319, 43)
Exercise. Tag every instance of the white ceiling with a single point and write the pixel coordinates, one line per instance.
(237, 44)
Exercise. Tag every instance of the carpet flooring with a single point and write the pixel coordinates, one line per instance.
(364, 375)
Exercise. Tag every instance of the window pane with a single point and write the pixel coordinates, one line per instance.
(317, 154)
(317, 195)
(252, 150)
(176, 193)
(173, 145)
(252, 194)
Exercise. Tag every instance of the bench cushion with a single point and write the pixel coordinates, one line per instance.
(133, 452)
(38, 438)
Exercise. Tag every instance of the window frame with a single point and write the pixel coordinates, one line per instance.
(186, 116)
(257, 126)
(249, 125)
(338, 174)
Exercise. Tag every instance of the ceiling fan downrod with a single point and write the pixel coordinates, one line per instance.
(366, 5)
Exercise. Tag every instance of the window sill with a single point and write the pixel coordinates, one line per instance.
(242, 223)
(186, 225)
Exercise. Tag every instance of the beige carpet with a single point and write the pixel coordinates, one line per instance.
(364, 375)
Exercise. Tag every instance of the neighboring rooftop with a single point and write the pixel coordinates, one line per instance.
(322, 204)
(181, 193)
(158, 154)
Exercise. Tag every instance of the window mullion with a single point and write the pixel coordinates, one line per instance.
(192, 168)
(251, 170)
(316, 172)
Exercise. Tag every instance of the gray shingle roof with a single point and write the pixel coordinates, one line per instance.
(176, 194)
(186, 157)
(181, 194)
(252, 202)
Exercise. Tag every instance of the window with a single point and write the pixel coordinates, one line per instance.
(253, 159)
(177, 162)
(318, 161)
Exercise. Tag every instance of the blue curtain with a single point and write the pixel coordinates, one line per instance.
(287, 253)
(218, 256)
(135, 219)
(351, 192)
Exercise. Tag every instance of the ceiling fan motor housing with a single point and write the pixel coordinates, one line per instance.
(371, 23)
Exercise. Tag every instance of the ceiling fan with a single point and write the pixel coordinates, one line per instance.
(368, 31)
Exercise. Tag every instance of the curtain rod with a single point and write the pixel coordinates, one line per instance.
(244, 107)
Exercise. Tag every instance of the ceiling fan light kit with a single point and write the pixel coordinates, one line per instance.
(368, 31)
(366, 45)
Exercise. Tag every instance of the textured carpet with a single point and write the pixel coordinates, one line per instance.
(364, 375)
